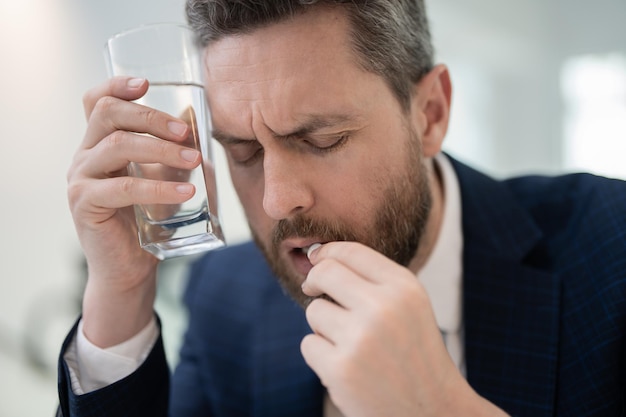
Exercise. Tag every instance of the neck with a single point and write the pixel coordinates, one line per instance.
(435, 217)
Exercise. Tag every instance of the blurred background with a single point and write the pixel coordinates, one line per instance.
(539, 86)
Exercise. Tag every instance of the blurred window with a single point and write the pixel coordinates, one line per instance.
(594, 91)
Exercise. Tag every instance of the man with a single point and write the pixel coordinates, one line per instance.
(436, 290)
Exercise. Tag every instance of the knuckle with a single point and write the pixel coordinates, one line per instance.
(324, 269)
(344, 369)
(412, 293)
(103, 105)
(159, 189)
(115, 139)
(91, 97)
(312, 309)
(163, 148)
(73, 175)
(127, 185)
(341, 250)
(402, 299)
(351, 249)
(306, 345)
(76, 192)
(322, 273)
(151, 116)
(70, 175)
(88, 99)
(381, 311)
(71, 172)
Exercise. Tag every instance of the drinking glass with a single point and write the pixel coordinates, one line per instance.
(168, 56)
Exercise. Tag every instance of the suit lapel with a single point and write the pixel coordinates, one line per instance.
(511, 304)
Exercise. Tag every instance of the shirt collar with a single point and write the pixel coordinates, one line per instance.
(442, 274)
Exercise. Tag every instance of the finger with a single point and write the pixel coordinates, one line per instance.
(125, 88)
(114, 193)
(117, 150)
(112, 114)
(327, 319)
(318, 353)
(342, 284)
(361, 259)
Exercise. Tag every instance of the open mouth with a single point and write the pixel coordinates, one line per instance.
(300, 257)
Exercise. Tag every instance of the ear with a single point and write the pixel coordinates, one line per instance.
(430, 107)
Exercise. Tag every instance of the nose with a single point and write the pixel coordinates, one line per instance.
(286, 189)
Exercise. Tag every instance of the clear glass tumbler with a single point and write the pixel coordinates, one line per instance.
(169, 58)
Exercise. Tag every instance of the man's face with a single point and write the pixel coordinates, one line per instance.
(319, 149)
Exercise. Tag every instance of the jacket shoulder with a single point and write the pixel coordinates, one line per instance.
(580, 206)
(237, 271)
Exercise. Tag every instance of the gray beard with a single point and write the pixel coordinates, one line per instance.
(396, 231)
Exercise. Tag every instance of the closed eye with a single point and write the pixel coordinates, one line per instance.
(245, 153)
(327, 143)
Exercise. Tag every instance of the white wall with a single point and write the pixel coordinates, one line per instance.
(504, 56)
(505, 59)
(51, 52)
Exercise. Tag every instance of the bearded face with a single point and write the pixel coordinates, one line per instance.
(397, 224)
(319, 148)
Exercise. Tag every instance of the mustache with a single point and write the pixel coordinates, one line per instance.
(302, 226)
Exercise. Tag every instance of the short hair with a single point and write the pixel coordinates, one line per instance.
(391, 38)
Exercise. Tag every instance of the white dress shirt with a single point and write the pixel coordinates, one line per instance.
(92, 368)
(442, 274)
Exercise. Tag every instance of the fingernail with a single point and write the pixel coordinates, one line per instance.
(189, 154)
(184, 188)
(312, 249)
(135, 82)
(177, 128)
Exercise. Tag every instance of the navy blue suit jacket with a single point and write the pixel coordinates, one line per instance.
(544, 314)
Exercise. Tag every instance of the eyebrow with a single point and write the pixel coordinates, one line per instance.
(310, 126)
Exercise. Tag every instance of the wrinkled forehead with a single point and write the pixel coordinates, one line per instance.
(303, 49)
(324, 33)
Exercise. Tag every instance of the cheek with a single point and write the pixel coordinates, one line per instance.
(368, 167)
(353, 191)
(371, 180)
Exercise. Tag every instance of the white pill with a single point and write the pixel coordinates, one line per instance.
(311, 249)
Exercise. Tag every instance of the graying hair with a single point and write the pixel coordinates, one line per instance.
(391, 37)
